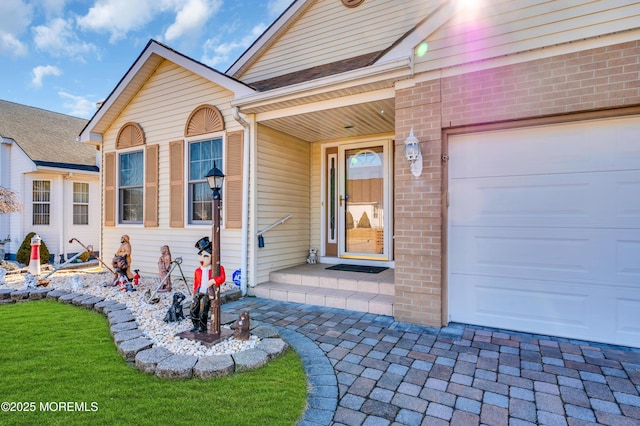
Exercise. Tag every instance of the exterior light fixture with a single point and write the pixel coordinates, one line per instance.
(413, 154)
(215, 177)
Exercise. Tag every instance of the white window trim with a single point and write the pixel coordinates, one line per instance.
(119, 152)
(186, 207)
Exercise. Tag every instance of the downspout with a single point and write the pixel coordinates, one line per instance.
(244, 260)
(65, 215)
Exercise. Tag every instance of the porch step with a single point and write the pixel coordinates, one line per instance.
(314, 285)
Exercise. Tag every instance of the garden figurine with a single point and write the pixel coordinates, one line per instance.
(125, 251)
(203, 281)
(164, 266)
(175, 312)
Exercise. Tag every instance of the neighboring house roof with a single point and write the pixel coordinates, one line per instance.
(46, 137)
(151, 57)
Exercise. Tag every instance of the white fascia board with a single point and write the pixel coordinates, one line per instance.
(90, 138)
(62, 171)
(406, 47)
(328, 104)
(399, 69)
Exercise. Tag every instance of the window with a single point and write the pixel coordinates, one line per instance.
(202, 156)
(80, 203)
(41, 202)
(130, 187)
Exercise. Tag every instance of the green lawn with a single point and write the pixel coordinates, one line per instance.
(56, 357)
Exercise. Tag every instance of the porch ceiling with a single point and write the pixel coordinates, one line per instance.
(369, 118)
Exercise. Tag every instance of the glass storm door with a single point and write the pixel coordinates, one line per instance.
(364, 200)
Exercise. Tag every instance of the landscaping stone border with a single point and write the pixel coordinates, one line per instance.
(136, 348)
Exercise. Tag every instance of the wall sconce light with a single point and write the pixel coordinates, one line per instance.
(413, 154)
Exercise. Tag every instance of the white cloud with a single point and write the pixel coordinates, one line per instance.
(191, 17)
(58, 39)
(216, 53)
(52, 7)
(118, 17)
(15, 16)
(78, 106)
(42, 71)
(11, 45)
(276, 7)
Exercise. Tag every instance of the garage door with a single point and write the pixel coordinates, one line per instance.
(544, 230)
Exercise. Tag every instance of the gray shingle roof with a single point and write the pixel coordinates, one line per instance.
(48, 138)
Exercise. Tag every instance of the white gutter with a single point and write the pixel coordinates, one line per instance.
(244, 259)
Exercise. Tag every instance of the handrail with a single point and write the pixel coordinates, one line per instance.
(273, 225)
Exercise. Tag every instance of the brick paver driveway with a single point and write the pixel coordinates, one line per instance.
(367, 369)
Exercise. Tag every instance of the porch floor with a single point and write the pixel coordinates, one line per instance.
(313, 284)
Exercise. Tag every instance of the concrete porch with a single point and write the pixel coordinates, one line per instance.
(316, 285)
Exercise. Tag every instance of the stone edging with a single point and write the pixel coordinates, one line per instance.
(135, 347)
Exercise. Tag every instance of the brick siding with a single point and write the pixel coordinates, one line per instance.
(596, 79)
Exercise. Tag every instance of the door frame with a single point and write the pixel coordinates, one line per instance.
(386, 258)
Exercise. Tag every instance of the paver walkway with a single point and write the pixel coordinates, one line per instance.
(367, 369)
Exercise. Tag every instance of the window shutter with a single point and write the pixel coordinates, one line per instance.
(110, 189)
(151, 186)
(176, 184)
(233, 195)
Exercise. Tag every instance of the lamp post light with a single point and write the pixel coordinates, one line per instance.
(215, 178)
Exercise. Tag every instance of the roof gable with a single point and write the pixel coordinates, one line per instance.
(314, 35)
(46, 137)
(149, 60)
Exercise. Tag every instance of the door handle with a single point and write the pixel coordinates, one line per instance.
(346, 197)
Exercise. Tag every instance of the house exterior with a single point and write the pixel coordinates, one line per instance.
(520, 210)
(57, 180)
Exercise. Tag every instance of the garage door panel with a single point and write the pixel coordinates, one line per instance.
(552, 308)
(505, 303)
(628, 317)
(597, 256)
(606, 199)
(591, 146)
(544, 230)
(627, 200)
(627, 253)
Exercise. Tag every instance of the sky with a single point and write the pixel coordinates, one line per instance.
(67, 55)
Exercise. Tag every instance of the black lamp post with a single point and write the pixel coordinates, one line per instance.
(215, 177)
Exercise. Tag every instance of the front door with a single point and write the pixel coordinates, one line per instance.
(358, 201)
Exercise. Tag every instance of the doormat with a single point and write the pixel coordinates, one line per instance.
(358, 268)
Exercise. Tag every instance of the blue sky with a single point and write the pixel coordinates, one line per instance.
(66, 55)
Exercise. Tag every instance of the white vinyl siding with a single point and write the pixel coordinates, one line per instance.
(510, 27)
(330, 32)
(283, 181)
(161, 107)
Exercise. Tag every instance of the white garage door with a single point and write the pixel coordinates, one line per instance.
(544, 230)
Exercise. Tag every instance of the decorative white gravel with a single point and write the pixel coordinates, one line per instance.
(149, 317)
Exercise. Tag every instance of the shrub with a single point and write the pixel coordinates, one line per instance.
(349, 220)
(364, 221)
(24, 252)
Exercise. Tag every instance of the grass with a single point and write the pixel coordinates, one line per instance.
(53, 353)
